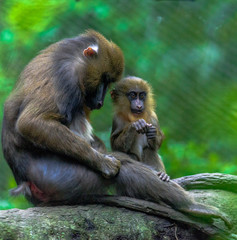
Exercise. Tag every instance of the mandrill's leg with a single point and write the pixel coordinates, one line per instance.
(138, 181)
(67, 183)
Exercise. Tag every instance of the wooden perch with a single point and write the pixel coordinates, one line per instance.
(130, 219)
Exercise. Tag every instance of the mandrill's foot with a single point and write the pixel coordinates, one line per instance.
(206, 211)
(110, 166)
(163, 176)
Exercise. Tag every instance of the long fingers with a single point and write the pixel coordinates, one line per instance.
(151, 133)
(163, 176)
(141, 126)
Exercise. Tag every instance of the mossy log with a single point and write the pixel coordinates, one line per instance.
(121, 218)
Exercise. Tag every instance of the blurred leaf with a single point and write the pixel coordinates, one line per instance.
(4, 204)
(7, 36)
(102, 11)
(27, 17)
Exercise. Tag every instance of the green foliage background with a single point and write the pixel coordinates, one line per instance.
(187, 50)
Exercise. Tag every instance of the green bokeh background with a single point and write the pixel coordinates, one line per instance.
(187, 50)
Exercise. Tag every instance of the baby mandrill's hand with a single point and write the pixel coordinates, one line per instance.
(163, 176)
(151, 132)
(141, 126)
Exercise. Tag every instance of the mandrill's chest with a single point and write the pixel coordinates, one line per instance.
(81, 127)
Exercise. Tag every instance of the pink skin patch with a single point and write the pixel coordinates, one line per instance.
(112, 93)
(89, 52)
(37, 193)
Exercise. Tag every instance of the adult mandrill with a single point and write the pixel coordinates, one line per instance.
(47, 115)
(47, 139)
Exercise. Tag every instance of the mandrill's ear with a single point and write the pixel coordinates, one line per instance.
(91, 51)
(113, 94)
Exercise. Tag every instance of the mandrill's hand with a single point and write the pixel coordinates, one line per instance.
(163, 176)
(151, 132)
(110, 166)
(141, 126)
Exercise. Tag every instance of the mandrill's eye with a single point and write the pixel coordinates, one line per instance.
(132, 95)
(142, 95)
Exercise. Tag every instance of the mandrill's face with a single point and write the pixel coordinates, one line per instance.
(103, 68)
(95, 98)
(137, 101)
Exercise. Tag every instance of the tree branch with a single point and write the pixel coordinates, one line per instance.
(128, 218)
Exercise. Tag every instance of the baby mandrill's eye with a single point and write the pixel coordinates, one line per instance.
(132, 95)
(142, 96)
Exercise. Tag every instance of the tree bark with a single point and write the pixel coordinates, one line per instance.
(121, 218)
(209, 181)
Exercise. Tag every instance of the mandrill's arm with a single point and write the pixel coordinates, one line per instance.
(154, 134)
(45, 129)
(122, 135)
(98, 144)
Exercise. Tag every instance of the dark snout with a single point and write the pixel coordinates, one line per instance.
(95, 100)
(99, 104)
(137, 106)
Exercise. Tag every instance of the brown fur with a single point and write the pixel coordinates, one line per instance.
(50, 98)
